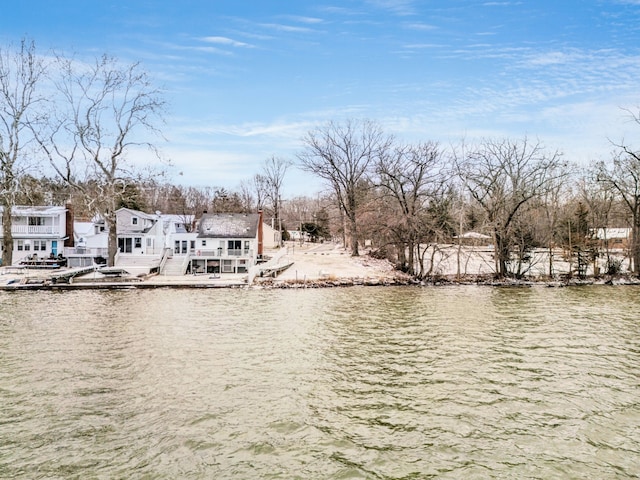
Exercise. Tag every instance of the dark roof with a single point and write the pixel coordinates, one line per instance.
(228, 225)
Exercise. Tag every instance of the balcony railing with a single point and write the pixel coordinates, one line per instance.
(238, 252)
(222, 253)
(33, 230)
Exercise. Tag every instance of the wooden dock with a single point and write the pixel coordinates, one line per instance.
(66, 275)
(274, 270)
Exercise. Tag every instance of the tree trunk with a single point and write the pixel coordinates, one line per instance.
(411, 263)
(354, 237)
(635, 244)
(112, 245)
(7, 235)
(501, 252)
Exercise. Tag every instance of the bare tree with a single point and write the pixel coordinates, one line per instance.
(550, 204)
(623, 177)
(104, 108)
(599, 200)
(503, 176)
(21, 71)
(248, 197)
(260, 189)
(413, 179)
(273, 171)
(342, 155)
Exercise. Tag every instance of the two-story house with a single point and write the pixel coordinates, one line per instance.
(38, 231)
(226, 243)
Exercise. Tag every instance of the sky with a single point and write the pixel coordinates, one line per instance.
(245, 80)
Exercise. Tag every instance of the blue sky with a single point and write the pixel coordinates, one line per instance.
(246, 79)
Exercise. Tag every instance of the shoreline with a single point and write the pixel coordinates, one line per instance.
(325, 265)
(398, 280)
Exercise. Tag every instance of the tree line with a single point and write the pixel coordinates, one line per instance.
(89, 120)
(408, 199)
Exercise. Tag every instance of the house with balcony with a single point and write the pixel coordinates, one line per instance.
(226, 243)
(38, 232)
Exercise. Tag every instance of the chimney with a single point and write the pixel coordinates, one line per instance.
(260, 234)
(69, 240)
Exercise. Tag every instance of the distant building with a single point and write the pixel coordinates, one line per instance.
(297, 235)
(612, 238)
(473, 238)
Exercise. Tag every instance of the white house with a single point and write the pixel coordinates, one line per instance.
(139, 232)
(271, 237)
(298, 236)
(90, 240)
(38, 231)
(143, 240)
(227, 243)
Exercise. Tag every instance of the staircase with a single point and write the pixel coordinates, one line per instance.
(174, 266)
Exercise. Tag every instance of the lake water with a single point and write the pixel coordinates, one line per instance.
(380, 383)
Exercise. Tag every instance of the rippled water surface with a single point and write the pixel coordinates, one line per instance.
(380, 383)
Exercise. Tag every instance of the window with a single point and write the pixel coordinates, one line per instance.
(247, 245)
(234, 247)
(204, 243)
(124, 244)
(192, 244)
(227, 266)
(149, 242)
(36, 221)
(137, 242)
(134, 220)
(40, 245)
(20, 245)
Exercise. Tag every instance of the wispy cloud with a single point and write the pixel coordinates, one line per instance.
(398, 7)
(421, 46)
(307, 20)
(421, 26)
(550, 58)
(253, 129)
(500, 4)
(225, 41)
(286, 28)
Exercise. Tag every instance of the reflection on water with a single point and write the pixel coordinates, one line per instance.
(343, 383)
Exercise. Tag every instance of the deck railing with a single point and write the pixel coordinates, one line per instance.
(222, 253)
(33, 230)
(92, 252)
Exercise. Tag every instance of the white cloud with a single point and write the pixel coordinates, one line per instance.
(421, 26)
(286, 28)
(308, 20)
(225, 41)
(399, 7)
